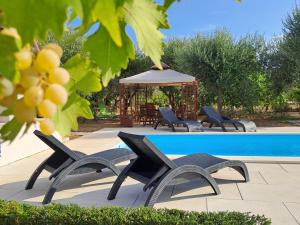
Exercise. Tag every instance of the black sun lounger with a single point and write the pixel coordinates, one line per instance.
(157, 171)
(214, 118)
(64, 162)
(168, 117)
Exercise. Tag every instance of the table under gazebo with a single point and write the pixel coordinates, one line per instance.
(133, 91)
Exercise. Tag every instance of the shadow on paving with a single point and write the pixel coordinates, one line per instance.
(92, 190)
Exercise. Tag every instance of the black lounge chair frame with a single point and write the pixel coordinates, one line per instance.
(214, 118)
(169, 118)
(64, 162)
(157, 171)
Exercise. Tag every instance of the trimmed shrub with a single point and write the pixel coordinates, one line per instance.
(13, 213)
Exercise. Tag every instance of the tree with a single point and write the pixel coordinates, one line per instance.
(281, 61)
(227, 69)
(170, 54)
(72, 43)
(278, 67)
(291, 42)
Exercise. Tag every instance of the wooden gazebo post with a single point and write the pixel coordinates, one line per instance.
(125, 119)
(189, 99)
(196, 102)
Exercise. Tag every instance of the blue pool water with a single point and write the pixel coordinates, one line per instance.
(285, 145)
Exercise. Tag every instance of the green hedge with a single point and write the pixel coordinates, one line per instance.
(13, 213)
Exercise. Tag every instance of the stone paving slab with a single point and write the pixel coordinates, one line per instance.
(191, 204)
(279, 177)
(201, 189)
(291, 168)
(270, 192)
(294, 209)
(6, 194)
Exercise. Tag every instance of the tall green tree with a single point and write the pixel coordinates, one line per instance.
(226, 68)
(291, 42)
(72, 43)
(281, 59)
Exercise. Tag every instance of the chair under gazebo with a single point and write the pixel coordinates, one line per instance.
(133, 91)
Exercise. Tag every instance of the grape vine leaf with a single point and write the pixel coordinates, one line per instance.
(10, 130)
(108, 14)
(168, 3)
(84, 76)
(109, 57)
(77, 9)
(8, 48)
(87, 17)
(146, 18)
(33, 19)
(66, 119)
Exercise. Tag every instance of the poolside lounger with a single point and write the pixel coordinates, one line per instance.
(168, 117)
(157, 171)
(214, 118)
(65, 161)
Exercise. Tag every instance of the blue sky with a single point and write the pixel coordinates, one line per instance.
(189, 17)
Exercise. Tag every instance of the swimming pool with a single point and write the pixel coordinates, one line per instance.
(225, 144)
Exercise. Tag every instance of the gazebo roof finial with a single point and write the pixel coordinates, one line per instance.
(164, 66)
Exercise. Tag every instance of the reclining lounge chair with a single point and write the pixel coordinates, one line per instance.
(168, 117)
(64, 162)
(214, 118)
(157, 171)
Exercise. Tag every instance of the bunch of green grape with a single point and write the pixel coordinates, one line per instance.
(34, 98)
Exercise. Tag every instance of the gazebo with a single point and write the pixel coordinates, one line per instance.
(134, 106)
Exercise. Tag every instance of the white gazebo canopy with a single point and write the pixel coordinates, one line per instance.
(131, 110)
(155, 76)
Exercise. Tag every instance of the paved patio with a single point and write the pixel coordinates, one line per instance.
(274, 189)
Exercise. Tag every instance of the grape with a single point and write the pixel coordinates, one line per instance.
(46, 61)
(47, 126)
(6, 87)
(29, 78)
(9, 100)
(59, 75)
(24, 113)
(33, 96)
(57, 94)
(47, 108)
(29, 71)
(56, 48)
(24, 59)
(11, 31)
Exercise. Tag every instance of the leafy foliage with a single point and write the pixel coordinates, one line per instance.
(109, 48)
(281, 63)
(66, 118)
(110, 58)
(33, 19)
(225, 67)
(12, 213)
(71, 43)
(145, 22)
(292, 36)
(8, 48)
